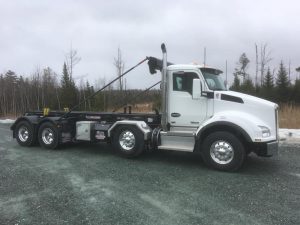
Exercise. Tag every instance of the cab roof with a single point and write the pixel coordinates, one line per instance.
(192, 67)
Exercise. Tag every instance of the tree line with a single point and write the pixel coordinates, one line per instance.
(48, 89)
(271, 84)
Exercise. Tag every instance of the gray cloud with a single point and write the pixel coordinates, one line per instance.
(39, 33)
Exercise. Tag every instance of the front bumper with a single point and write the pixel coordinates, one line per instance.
(267, 149)
(272, 148)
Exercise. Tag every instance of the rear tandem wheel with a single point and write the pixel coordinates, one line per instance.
(24, 134)
(48, 135)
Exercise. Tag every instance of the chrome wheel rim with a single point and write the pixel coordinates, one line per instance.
(221, 152)
(23, 134)
(48, 136)
(127, 140)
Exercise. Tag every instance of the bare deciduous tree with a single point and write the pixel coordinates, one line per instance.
(72, 59)
(265, 58)
(119, 64)
(256, 66)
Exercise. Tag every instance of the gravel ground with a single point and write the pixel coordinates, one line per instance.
(89, 184)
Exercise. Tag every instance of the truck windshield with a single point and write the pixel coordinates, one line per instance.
(213, 79)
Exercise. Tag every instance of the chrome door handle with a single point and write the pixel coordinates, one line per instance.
(175, 114)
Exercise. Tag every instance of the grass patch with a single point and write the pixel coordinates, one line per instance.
(289, 116)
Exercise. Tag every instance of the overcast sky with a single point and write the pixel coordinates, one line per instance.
(36, 33)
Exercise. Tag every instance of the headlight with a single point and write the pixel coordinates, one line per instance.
(265, 131)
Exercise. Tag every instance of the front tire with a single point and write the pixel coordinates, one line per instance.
(223, 151)
(24, 134)
(128, 141)
(48, 135)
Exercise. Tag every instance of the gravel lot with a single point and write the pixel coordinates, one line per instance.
(89, 184)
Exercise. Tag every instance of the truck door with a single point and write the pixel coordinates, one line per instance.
(185, 113)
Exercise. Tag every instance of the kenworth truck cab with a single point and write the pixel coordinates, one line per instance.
(198, 114)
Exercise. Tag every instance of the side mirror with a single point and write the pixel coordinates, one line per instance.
(197, 88)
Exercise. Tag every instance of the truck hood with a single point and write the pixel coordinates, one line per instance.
(246, 99)
(244, 109)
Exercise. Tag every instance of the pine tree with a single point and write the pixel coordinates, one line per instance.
(282, 84)
(298, 70)
(267, 90)
(244, 61)
(68, 89)
(236, 83)
(268, 80)
(296, 92)
(248, 87)
(240, 70)
(65, 81)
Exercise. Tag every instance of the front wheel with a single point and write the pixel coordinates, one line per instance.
(48, 135)
(223, 151)
(128, 141)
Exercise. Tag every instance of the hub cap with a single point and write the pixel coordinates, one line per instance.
(221, 152)
(23, 134)
(127, 140)
(47, 136)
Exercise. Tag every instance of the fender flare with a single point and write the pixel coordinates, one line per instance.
(141, 125)
(233, 126)
(53, 120)
(32, 120)
(49, 119)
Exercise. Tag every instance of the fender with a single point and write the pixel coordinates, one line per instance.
(141, 125)
(56, 121)
(34, 120)
(49, 119)
(223, 123)
(244, 123)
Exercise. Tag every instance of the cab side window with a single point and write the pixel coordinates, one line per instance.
(184, 81)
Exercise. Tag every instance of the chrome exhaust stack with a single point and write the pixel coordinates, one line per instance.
(164, 102)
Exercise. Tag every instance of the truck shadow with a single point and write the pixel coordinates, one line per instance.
(260, 165)
(252, 165)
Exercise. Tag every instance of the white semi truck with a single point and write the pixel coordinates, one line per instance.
(198, 114)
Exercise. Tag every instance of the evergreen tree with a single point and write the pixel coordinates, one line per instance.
(88, 92)
(248, 87)
(268, 80)
(296, 92)
(68, 89)
(244, 61)
(65, 80)
(282, 84)
(240, 70)
(298, 70)
(236, 83)
(267, 90)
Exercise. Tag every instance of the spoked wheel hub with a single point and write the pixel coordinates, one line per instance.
(221, 152)
(23, 134)
(48, 136)
(127, 140)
